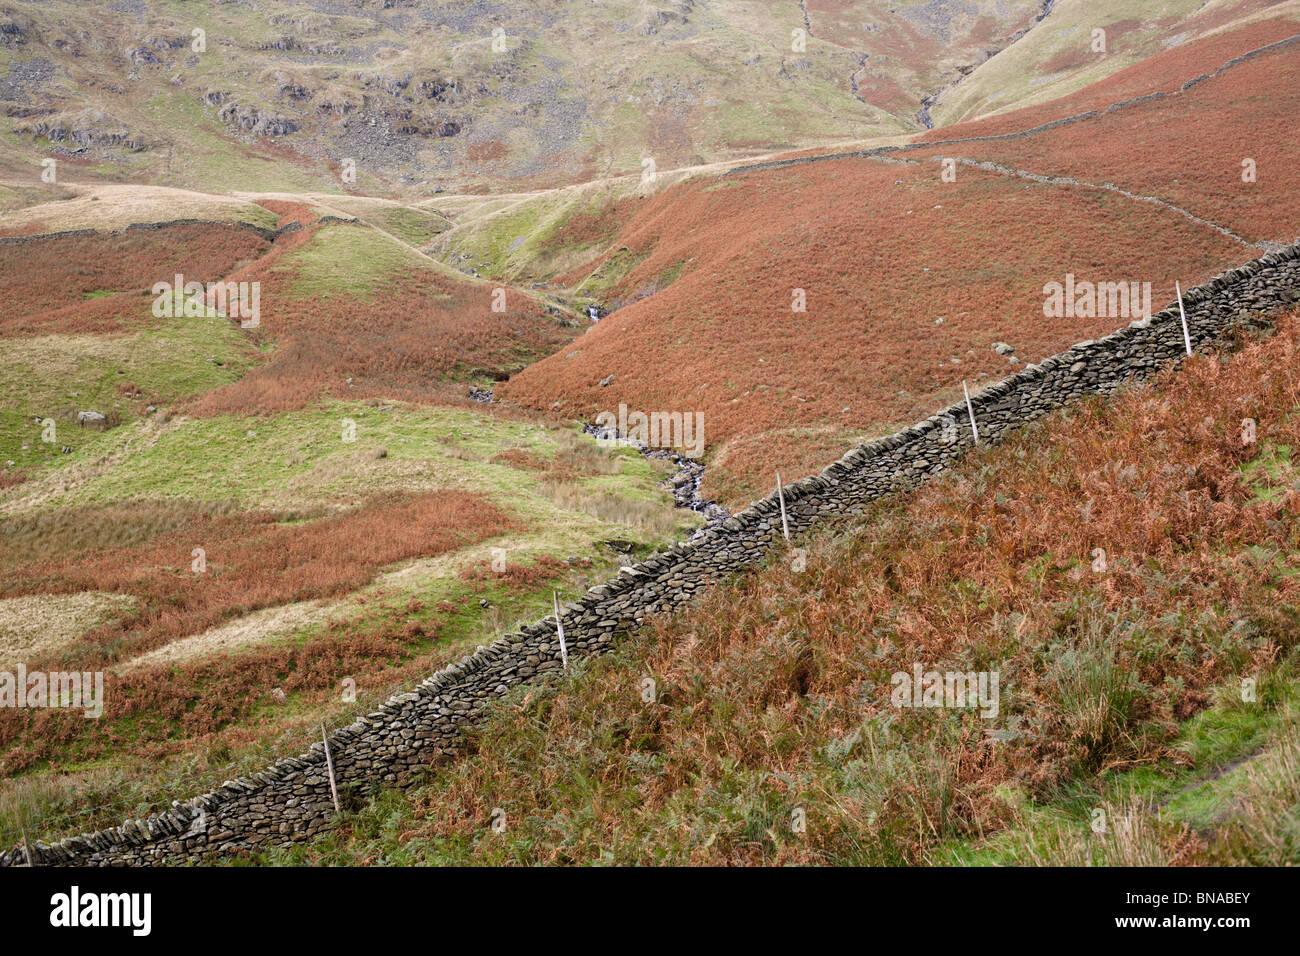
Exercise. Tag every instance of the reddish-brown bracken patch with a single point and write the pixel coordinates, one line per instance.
(44, 283)
(1163, 72)
(34, 228)
(776, 691)
(407, 341)
(487, 152)
(288, 212)
(902, 274)
(250, 561)
(883, 91)
(516, 576)
(1187, 149)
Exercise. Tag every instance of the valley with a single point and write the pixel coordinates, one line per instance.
(320, 326)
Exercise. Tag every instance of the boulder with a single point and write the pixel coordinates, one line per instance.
(96, 420)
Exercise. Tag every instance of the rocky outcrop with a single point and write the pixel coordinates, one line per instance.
(12, 32)
(86, 129)
(252, 120)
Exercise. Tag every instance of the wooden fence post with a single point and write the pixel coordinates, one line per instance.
(780, 493)
(559, 629)
(329, 765)
(970, 410)
(1187, 338)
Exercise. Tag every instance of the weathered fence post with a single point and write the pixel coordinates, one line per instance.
(970, 410)
(559, 629)
(780, 493)
(329, 765)
(1187, 339)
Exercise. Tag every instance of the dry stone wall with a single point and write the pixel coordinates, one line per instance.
(391, 747)
(270, 235)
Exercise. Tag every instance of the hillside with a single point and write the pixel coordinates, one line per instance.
(906, 292)
(1066, 60)
(407, 98)
(292, 456)
(907, 288)
(274, 525)
(1163, 69)
(429, 95)
(1121, 682)
(1169, 130)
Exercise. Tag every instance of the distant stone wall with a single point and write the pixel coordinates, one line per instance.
(270, 235)
(291, 800)
(879, 151)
